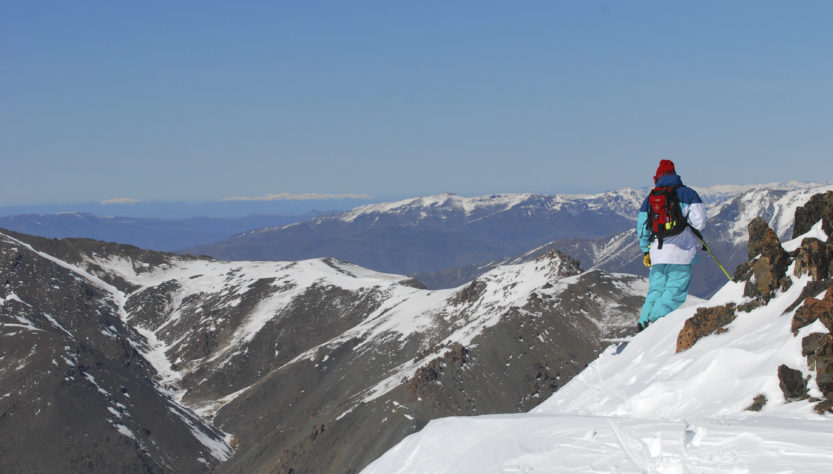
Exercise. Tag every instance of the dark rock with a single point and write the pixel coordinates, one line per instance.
(413, 283)
(792, 383)
(818, 208)
(471, 292)
(816, 258)
(824, 375)
(767, 265)
(763, 240)
(757, 403)
(814, 309)
(704, 322)
(818, 347)
(824, 407)
(455, 358)
(817, 344)
(812, 288)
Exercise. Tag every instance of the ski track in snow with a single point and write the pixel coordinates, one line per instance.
(582, 444)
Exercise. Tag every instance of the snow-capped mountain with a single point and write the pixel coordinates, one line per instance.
(620, 202)
(446, 240)
(740, 383)
(309, 366)
(437, 232)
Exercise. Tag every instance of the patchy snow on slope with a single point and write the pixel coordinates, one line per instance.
(649, 409)
(504, 287)
(447, 201)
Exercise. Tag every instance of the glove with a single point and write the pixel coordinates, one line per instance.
(647, 260)
(642, 324)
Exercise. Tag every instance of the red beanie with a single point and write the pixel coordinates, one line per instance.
(665, 167)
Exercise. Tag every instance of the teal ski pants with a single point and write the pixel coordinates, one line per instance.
(667, 291)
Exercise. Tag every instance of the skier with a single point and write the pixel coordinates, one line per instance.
(667, 241)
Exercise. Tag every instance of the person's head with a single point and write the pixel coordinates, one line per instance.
(666, 167)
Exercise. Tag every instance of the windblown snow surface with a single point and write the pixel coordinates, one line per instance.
(649, 409)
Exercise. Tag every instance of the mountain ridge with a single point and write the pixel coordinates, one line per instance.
(328, 350)
(742, 382)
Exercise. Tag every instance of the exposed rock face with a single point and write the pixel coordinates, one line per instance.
(792, 383)
(764, 274)
(767, 264)
(815, 258)
(454, 359)
(819, 208)
(824, 407)
(814, 309)
(818, 347)
(705, 321)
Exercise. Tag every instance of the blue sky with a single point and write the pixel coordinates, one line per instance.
(202, 101)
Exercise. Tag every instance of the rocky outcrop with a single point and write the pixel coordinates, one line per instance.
(758, 403)
(705, 321)
(455, 358)
(792, 383)
(814, 309)
(818, 348)
(815, 258)
(767, 266)
(819, 208)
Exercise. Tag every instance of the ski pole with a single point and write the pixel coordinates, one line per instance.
(703, 241)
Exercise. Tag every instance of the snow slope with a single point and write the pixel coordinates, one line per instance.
(649, 409)
(404, 311)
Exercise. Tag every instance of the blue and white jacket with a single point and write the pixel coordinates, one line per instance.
(681, 248)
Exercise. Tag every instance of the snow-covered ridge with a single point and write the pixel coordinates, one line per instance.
(643, 407)
(445, 200)
(776, 206)
(438, 318)
(736, 189)
(623, 201)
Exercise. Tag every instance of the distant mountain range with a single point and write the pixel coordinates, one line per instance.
(447, 240)
(437, 232)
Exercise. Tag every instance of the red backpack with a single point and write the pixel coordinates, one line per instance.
(665, 216)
